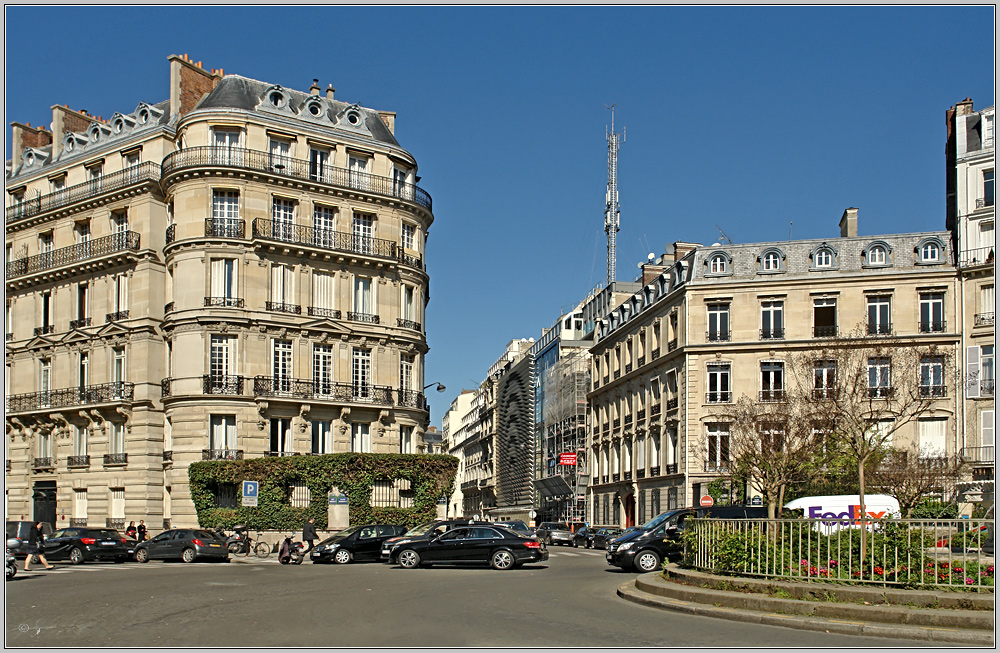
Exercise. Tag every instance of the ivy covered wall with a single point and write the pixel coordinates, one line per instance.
(354, 474)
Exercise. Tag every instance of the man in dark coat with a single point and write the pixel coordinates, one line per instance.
(309, 534)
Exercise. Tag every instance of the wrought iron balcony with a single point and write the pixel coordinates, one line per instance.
(225, 228)
(617, 422)
(616, 477)
(672, 345)
(654, 470)
(78, 461)
(978, 455)
(224, 302)
(670, 468)
(932, 326)
(281, 307)
(222, 454)
(721, 397)
(114, 459)
(171, 234)
(43, 463)
(116, 317)
(772, 334)
(78, 522)
(78, 324)
(933, 391)
(283, 166)
(880, 329)
(91, 249)
(323, 312)
(628, 367)
(407, 324)
(362, 317)
(772, 395)
(109, 183)
(718, 336)
(168, 308)
(411, 399)
(42, 330)
(111, 522)
(825, 393)
(984, 319)
(654, 409)
(618, 374)
(92, 394)
(882, 392)
(653, 355)
(281, 454)
(640, 473)
(977, 256)
(827, 331)
(627, 476)
(168, 456)
(672, 403)
(270, 386)
(717, 468)
(339, 241)
(164, 387)
(222, 384)
(628, 420)
(641, 414)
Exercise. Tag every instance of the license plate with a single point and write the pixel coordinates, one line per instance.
(216, 545)
(107, 543)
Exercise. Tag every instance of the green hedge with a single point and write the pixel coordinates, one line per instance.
(430, 476)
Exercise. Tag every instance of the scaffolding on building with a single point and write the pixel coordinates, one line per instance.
(563, 434)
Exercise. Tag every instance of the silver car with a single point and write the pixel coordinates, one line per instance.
(554, 533)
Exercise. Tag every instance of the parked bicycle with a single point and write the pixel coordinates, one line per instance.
(240, 543)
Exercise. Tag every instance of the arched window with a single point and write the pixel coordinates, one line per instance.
(877, 255)
(930, 251)
(824, 259)
(718, 265)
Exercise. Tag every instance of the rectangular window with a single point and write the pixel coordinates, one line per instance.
(879, 377)
(358, 172)
(324, 222)
(322, 437)
(117, 503)
(825, 317)
(931, 312)
(987, 372)
(319, 165)
(279, 152)
(281, 366)
(407, 236)
(224, 281)
(932, 376)
(323, 369)
(118, 365)
(282, 286)
(399, 186)
(772, 324)
(406, 362)
(45, 243)
(407, 309)
(119, 222)
(362, 231)
(987, 302)
(361, 373)
(46, 311)
(222, 361)
(222, 434)
(772, 381)
(988, 429)
(932, 438)
(405, 439)
(226, 214)
(879, 315)
(719, 389)
(79, 440)
(988, 187)
(120, 299)
(80, 504)
(323, 294)
(718, 322)
(824, 378)
(45, 377)
(283, 218)
(281, 435)
(361, 438)
(83, 371)
(117, 444)
(718, 447)
(363, 304)
(82, 302)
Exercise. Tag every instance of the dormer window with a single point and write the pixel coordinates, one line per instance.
(877, 255)
(930, 251)
(314, 108)
(354, 117)
(771, 261)
(143, 116)
(719, 263)
(823, 257)
(276, 99)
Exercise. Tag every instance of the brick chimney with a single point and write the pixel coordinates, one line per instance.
(66, 120)
(189, 83)
(329, 91)
(314, 89)
(849, 223)
(23, 136)
(389, 118)
(964, 108)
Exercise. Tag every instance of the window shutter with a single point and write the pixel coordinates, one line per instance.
(972, 372)
(231, 433)
(277, 279)
(988, 431)
(218, 276)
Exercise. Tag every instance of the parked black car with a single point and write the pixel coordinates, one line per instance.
(184, 544)
(356, 543)
(500, 548)
(79, 545)
(20, 529)
(424, 531)
(659, 539)
(584, 537)
(604, 535)
(518, 527)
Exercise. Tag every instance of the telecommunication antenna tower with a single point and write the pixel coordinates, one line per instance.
(612, 209)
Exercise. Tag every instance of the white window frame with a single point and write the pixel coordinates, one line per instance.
(222, 432)
(361, 437)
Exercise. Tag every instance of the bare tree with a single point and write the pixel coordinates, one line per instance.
(910, 476)
(869, 388)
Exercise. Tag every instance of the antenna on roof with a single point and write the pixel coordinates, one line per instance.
(725, 238)
(612, 208)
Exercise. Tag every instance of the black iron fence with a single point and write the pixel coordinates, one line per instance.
(224, 302)
(92, 394)
(232, 157)
(116, 317)
(104, 246)
(115, 459)
(222, 454)
(78, 461)
(215, 384)
(225, 228)
(340, 241)
(272, 386)
(315, 311)
(82, 322)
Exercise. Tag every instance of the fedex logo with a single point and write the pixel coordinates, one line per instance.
(853, 513)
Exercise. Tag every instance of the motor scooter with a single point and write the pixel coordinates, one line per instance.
(12, 543)
(239, 541)
(291, 552)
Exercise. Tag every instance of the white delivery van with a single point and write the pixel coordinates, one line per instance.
(843, 511)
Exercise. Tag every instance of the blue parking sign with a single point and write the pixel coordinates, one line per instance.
(250, 488)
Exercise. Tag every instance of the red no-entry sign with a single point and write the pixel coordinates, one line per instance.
(706, 501)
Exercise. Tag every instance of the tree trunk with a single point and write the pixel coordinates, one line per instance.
(781, 500)
(861, 508)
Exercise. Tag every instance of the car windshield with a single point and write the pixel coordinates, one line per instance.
(342, 534)
(105, 533)
(558, 527)
(422, 529)
(656, 521)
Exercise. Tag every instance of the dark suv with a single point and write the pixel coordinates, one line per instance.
(659, 539)
(426, 531)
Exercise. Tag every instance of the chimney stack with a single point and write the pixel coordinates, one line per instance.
(189, 83)
(849, 223)
(23, 136)
(329, 91)
(314, 89)
(964, 108)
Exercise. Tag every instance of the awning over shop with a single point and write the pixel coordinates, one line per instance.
(553, 486)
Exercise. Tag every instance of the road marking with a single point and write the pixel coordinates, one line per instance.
(853, 623)
(784, 616)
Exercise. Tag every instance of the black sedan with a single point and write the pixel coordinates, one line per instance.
(603, 536)
(584, 537)
(355, 543)
(500, 548)
(79, 545)
(184, 544)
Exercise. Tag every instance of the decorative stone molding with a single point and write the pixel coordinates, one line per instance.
(64, 426)
(343, 420)
(384, 420)
(261, 409)
(19, 429)
(303, 422)
(126, 411)
(99, 419)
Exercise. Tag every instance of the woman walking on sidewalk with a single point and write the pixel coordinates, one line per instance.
(35, 540)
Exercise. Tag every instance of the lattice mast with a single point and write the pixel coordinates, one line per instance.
(612, 209)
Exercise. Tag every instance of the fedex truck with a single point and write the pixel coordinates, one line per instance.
(844, 511)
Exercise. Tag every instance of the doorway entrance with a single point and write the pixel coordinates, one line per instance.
(44, 498)
(629, 502)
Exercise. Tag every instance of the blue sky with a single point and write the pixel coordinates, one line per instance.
(742, 117)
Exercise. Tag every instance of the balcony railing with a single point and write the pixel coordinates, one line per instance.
(641, 361)
(627, 476)
(721, 397)
(78, 461)
(224, 302)
(222, 384)
(827, 331)
(618, 373)
(112, 459)
(43, 463)
(82, 322)
(111, 522)
(986, 387)
(284, 166)
(883, 392)
(772, 334)
(978, 455)
(617, 422)
(222, 454)
(654, 470)
(616, 477)
(164, 387)
(641, 414)
(653, 355)
(670, 468)
(91, 394)
(825, 393)
(672, 345)
(171, 234)
(281, 454)
(281, 307)
(933, 391)
(977, 256)
(131, 176)
(672, 403)
(628, 420)
(225, 228)
(78, 522)
(932, 326)
(628, 367)
(717, 468)
(411, 399)
(985, 319)
(362, 317)
(42, 330)
(269, 386)
(168, 308)
(718, 336)
(773, 395)
(338, 241)
(323, 312)
(640, 473)
(120, 242)
(654, 409)
(116, 317)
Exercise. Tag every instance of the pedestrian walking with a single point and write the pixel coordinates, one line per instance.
(35, 540)
(309, 534)
(141, 531)
(130, 531)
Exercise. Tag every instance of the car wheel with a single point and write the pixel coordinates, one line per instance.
(234, 548)
(409, 559)
(573, 544)
(142, 555)
(502, 559)
(76, 556)
(647, 561)
(188, 555)
(342, 556)
(11, 571)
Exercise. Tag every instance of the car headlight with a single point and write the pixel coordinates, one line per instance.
(626, 546)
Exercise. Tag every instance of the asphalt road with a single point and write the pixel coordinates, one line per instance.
(568, 601)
